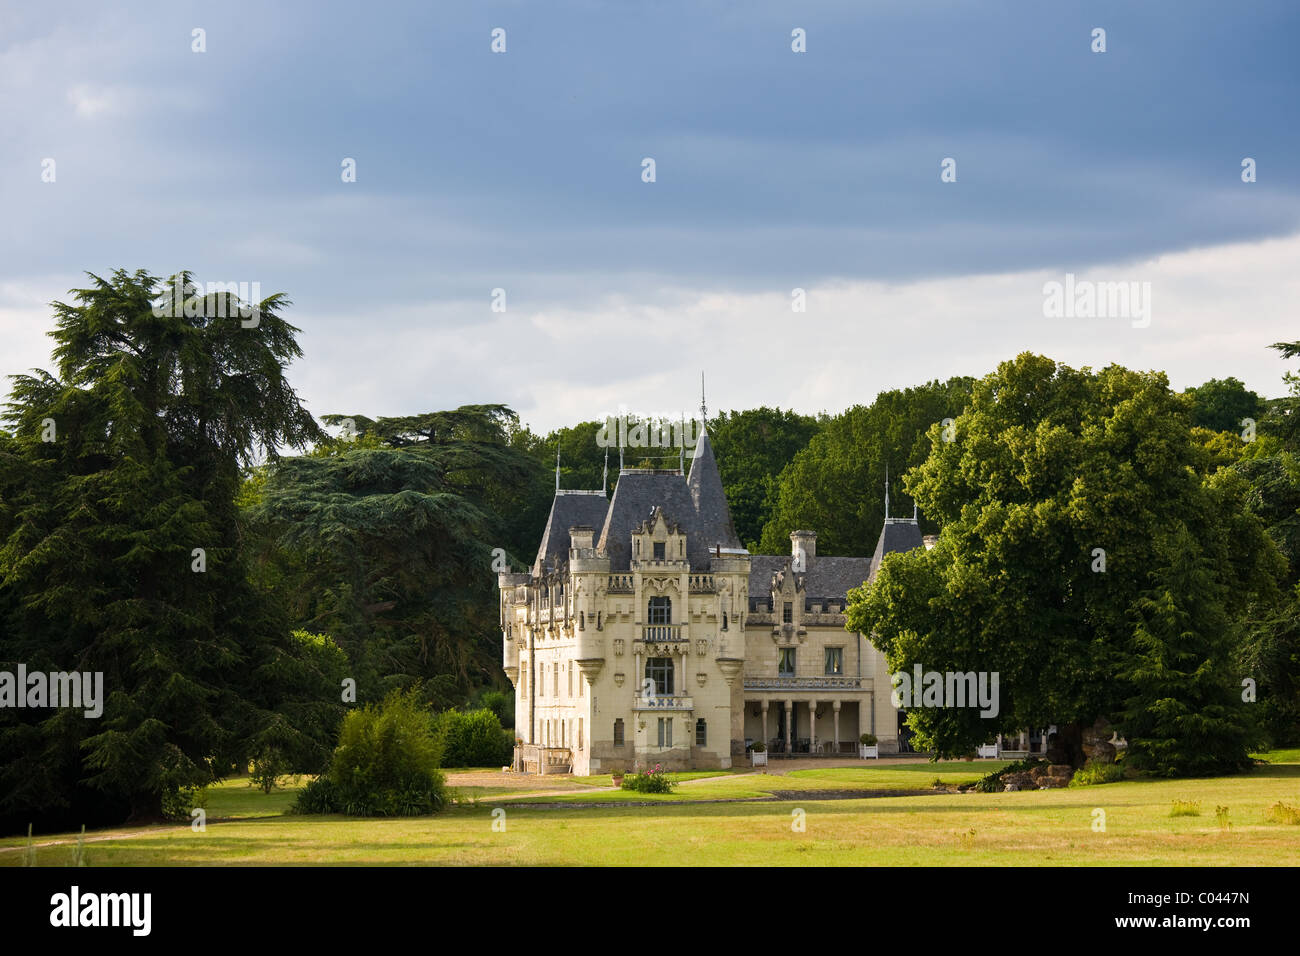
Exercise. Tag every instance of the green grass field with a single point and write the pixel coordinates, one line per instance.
(575, 824)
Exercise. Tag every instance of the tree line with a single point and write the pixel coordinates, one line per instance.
(171, 515)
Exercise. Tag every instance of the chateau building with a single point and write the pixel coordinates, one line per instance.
(645, 634)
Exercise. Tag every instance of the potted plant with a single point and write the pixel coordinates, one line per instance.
(617, 777)
(758, 755)
(870, 746)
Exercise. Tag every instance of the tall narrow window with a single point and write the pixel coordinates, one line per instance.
(701, 733)
(618, 732)
(665, 731)
(659, 550)
(834, 660)
(568, 670)
(555, 680)
(786, 664)
(787, 613)
(579, 733)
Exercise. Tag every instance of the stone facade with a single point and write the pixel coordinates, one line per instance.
(645, 634)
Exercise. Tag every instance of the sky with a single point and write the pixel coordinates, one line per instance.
(774, 170)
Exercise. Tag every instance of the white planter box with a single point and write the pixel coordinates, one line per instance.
(873, 751)
(758, 759)
(985, 751)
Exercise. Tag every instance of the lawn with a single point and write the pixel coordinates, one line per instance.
(1053, 827)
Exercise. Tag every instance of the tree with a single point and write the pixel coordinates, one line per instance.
(1221, 405)
(836, 485)
(120, 546)
(386, 543)
(1070, 504)
(752, 448)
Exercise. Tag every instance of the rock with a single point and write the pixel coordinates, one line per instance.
(1049, 783)
(1021, 781)
(1096, 742)
(1060, 770)
(1039, 771)
(1011, 788)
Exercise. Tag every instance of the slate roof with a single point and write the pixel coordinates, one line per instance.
(695, 503)
(713, 517)
(827, 578)
(569, 509)
(830, 578)
(636, 495)
(895, 536)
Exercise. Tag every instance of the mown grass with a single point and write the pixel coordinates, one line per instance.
(1054, 827)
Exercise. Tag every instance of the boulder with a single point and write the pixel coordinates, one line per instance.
(1021, 781)
(1096, 742)
(1048, 783)
(1060, 770)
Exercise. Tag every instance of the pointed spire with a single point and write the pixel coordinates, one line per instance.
(886, 491)
(914, 519)
(604, 476)
(704, 409)
(557, 467)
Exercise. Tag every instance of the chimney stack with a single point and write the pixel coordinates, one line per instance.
(803, 548)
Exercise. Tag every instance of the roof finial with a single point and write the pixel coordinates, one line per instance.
(914, 519)
(557, 467)
(604, 476)
(886, 491)
(704, 409)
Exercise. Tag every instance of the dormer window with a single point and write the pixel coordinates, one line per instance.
(659, 551)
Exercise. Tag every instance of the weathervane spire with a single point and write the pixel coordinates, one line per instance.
(557, 467)
(704, 409)
(886, 491)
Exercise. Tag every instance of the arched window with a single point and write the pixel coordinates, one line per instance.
(661, 610)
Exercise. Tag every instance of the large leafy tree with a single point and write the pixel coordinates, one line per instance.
(1050, 471)
(1221, 405)
(386, 542)
(121, 464)
(753, 447)
(835, 486)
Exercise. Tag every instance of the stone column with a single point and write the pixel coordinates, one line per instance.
(637, 673)
(812, 726)
(836, 707)
(789, 719)
(764, 723)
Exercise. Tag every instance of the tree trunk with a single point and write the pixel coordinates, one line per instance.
(146, 808)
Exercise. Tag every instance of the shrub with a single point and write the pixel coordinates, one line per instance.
(1185, 808)
(655, 781)
(500, 703)
(385, 764)
(758, 748)
(1091, 774)
(474, 739)
(868, 740)
(1283, 813)
(266, 768)
(1221, 818)
(177, 804)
